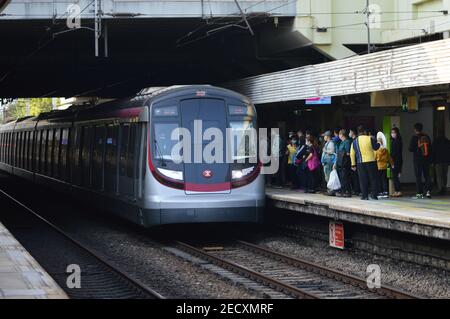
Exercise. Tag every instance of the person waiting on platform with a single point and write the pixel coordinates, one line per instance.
(420, 146)
(300, 138)
(397, 159)
(279, 148)
(328, 155)
(343, 165)
(362, 154)
(383, 160)
(336, 139)
(441, 160)
(291, 150)
(356, 190)
(312, 165)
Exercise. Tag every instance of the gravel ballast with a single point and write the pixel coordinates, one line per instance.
(419, 280)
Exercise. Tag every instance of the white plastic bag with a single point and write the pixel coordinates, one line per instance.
(333, 183)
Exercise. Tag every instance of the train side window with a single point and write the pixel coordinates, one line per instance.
(27, 149)
(126, 184)
(111, 158)
(5, 148)
(37, 151)
(49, 157)
(98, 157)
(76, 152)
(1, 147)
(131, 156)
(10, 146)
(5, 154)
(124, 136)
(56, 153)
(18, 149)
(13, 148)
(24, 149)
(142, 159)
(8, 149)
(21, 139)
(44, 151)
(64, 150)
(136, 156)
(86, 156)
(26, 144)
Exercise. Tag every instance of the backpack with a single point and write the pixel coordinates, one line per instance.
(423, 146)
(295, 160)
(314, 162)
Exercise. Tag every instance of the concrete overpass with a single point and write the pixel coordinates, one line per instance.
(143, 43)
(47, 9)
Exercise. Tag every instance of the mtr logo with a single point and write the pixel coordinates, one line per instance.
(207, 173)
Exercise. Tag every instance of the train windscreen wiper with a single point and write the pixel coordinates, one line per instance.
(160, 155)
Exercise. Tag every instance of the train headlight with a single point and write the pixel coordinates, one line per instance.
(178, 175)
(237, 174)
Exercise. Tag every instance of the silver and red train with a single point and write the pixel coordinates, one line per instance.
(118, 155)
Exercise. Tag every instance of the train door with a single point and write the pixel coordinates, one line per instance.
(126, 159)
(98, 157)
(111, 158)
(199, 175)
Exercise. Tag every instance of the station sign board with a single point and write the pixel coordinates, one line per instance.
(336, 232)
(318, 100)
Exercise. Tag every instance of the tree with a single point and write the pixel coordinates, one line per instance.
(18, 108)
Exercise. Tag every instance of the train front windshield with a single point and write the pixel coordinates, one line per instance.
(220, 148)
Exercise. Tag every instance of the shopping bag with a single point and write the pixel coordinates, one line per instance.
(333, 183)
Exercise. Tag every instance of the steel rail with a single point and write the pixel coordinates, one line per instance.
(271, 282)
(328, 272)
(143, 288)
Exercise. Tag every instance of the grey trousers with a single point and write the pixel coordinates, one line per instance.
(441, 176)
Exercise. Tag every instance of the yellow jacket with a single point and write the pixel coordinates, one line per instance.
(383, 158)
(362, 150)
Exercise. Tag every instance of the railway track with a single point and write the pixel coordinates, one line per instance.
(292, 276)
(99, 278)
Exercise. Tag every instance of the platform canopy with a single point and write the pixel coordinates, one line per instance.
(413, 66)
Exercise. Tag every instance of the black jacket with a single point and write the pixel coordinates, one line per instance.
(397, 153)
(441, 150)
(414, 148)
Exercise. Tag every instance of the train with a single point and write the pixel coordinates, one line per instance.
(118, 155)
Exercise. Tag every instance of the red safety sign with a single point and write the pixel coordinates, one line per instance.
(336, 234)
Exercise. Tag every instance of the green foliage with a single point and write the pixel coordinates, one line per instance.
(19, 109)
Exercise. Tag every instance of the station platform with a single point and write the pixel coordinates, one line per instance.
(21, 277)
(425, 217)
